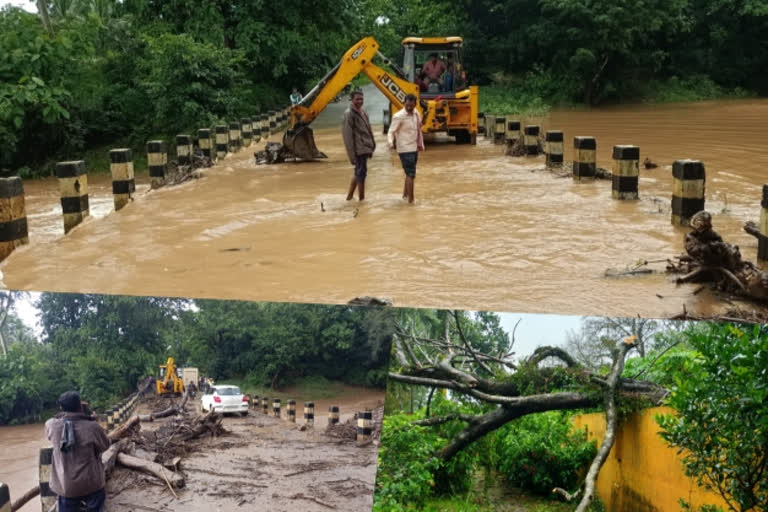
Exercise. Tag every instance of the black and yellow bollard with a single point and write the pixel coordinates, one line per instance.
(123, 183)
(584, 158)
(333, 414)
(73, 186)
(47, 496)
(292, 411)
(626, 172)
(13, 216)
(499, 129)
(115, 416)
(512, 133)
(110, 419)
(272, 122)
(157, 160)
(222, 141)
(553, 148)
(364, 426)
(309, 413)
(688, 187)
(490, 126)
(247, 131)
(205, 142)
(183, 149)
(276, 408)
(265, 405)
(255, 402)
(234, 137)
(5, 498)
(531, 140)
(264, 126)
(762, 241)
(481, 123)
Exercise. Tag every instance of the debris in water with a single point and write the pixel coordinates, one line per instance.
(649, 164)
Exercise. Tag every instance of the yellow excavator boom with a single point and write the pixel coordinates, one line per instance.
(169, 381)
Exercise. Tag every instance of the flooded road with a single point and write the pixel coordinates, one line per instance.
(19, 455)
(487, 231)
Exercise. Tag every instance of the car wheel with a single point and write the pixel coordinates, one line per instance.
(245, 413)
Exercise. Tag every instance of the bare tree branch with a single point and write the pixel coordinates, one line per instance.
(466, 343)
(439, 420)
(610, 423)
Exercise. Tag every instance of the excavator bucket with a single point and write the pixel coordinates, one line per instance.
(300, 141)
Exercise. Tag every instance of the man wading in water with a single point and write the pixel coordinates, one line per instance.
(358, 139)
(77, 474)
(405, 136)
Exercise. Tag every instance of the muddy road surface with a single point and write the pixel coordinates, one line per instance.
(487, 231)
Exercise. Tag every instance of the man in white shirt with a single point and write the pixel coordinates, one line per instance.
(405, 136)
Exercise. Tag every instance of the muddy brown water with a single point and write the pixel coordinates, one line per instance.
(260, 450)
(486, 231)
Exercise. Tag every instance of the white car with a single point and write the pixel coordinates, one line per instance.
(224, 399)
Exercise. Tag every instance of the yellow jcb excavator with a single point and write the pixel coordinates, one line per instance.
(449, 105)
(169, 381)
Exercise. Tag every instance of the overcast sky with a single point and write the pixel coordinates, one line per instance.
(27, 5)
(533, 330)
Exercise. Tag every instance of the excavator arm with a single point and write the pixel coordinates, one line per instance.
(358, 59)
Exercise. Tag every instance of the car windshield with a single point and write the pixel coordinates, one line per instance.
(228, 391)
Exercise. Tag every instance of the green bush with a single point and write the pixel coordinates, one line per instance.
(407, 465)
(542, 451)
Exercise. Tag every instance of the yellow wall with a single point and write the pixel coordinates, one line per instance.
(642, 474)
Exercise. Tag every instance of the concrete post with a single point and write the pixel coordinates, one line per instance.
(110, 419)
(255, 401)
(264, 126)
(247, 131)
(309, 413)
(123, 183)
(364, 425)
(626, 172)
(333, 414)
(499, 129)
(481, 123)
(531, 140)
(688, 187)
(276, 408)
(512, 133)
(272, 122)
(13, 216)
(115, 416)
(265, 405)
(5, 498)
(553, 148)
(157, 160)
(222, 141)
(234, 137)
(490, 126)
(292, 411)
(73, 186)
(255, 129)
(47, 496)
(184, 149)
(205, 142)
(584, 158)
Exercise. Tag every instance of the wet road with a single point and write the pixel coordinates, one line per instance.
(487, 231)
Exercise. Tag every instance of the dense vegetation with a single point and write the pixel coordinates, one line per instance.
(102, 345)
(716, 374)
(85, 74)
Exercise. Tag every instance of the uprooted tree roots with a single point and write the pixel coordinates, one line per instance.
(709, 259)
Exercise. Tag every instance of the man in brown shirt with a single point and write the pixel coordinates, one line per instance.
(77, 475)
(359, 143)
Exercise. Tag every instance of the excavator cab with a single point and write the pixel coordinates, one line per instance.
(438, 53)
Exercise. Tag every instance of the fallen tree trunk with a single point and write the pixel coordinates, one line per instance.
(152, 468)
(123, 429)
(169, 411)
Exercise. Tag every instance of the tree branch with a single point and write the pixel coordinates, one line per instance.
(610, 423)
(439, 420)
(542, 353)
(467, 345)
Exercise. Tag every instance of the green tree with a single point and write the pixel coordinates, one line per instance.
(721, 426)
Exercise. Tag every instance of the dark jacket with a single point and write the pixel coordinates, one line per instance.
(357, 133)
(78, 471)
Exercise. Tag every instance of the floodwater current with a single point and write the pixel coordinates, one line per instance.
(487, 231)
